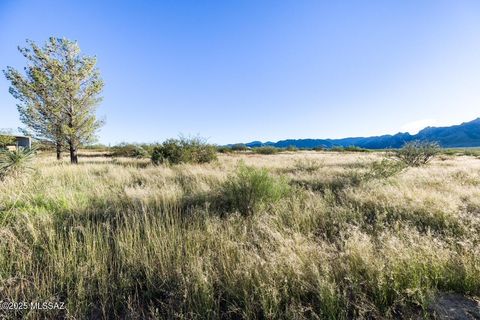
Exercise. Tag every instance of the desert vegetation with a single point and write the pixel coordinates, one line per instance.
(188, 230)
(15, 162)
(266, 150)
(417, 153)
(287, 236)
(184, 150)
(6, 140)
(128, 150)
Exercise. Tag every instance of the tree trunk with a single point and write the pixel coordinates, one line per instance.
(59, 151)
(73, 154)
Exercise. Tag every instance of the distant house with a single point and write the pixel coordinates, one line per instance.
(21, 142)
(24, 141)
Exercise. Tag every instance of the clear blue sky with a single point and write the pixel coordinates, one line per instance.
(247, 70)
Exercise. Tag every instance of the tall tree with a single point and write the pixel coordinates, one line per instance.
(38, 101)
(60, 93)
(80, 86)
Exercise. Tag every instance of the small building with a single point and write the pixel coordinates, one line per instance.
(24, 142)
(21, 142)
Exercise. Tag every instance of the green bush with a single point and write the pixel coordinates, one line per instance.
(12, 163)
(349, 149)
(417, 153)
(97, 146)
(266, 150)
(251, 187)
(169, 151)
(129, 150)
(183, 150)
(239, 147)
(6, 140)
(148, 147)
(384, 169)
(471, 152)
(224, 149)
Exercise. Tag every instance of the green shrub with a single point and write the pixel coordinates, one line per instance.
(170, 151)
(473, 152)
(356, 149)
(349, 149)
(129, 150)
(239, 147)
(97, 146)
(6, 140)
(199, 151)
(251, 187)
(417, 153)
(13, 163)
(384, 169)
(224, 149)
(266, 150)
(291, 148)
(183, 150)
(148, 147)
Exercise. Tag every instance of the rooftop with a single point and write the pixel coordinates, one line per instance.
(14, 135)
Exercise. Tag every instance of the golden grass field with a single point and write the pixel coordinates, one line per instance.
(121, 238)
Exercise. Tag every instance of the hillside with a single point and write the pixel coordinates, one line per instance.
(463, 135)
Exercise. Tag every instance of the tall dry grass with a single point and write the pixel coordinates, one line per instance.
(120, 238)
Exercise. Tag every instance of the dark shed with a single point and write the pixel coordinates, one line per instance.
(20, 142)
(24, 142)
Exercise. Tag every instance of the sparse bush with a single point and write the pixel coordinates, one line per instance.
(12, 163)
(266, 150)
(129, 150)
(417, 153)
(291, 148)
(251, 187)
(184, 150)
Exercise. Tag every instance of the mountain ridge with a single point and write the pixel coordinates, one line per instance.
(464, 135)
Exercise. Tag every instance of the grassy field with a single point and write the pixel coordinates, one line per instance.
(312, 235)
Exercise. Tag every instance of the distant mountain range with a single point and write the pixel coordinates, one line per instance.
(463, 135)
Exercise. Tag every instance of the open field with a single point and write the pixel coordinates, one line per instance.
(349, 237)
